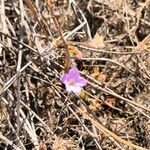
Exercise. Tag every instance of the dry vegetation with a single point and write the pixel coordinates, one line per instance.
(108, 41)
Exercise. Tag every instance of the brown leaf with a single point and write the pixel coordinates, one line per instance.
(110, 102)
(74, 51)
(95, 72)
(42, 146)
(101, 77)
(95, 105)
(97, 41)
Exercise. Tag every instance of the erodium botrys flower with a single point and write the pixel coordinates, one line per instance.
(73, 81)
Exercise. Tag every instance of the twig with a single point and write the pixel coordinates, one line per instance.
(67, 54)
(109, 91)
(74, 30)
(34, 114)
(11, 81)
(14, 39)
(18, 138)
(73, 3)
(30, 129)
(9, 142)
(88, 131)
(104, 51)
(109, 60)
(18, 90)
(98, 85)
(3, 22)
(108, 132)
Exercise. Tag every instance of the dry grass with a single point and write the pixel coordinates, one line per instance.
(109, 42)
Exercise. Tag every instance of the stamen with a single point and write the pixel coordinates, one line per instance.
(71, 82)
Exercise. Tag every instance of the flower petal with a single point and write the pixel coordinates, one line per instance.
(76, 89)
(80, 81)
(73, 73)
(73, 81)
(68, 87)
(73, 88)
(64, 78)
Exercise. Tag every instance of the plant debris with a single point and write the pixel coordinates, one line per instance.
(109, 43)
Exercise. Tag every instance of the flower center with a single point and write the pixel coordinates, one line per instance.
(71, 82)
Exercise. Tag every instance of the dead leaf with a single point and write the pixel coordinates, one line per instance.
(101, 77)
(51, 3)
(95, 105)
(98, 75)
(42, 146)
(95, 72)
(74, 51)
(110, 102)
(97, 41)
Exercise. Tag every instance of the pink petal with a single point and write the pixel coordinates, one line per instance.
(76, 89)
(68, 87)
(73, 72)
(63, 78)
(72, 88)
(80, 81)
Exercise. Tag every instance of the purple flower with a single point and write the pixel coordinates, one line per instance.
(73, 81)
